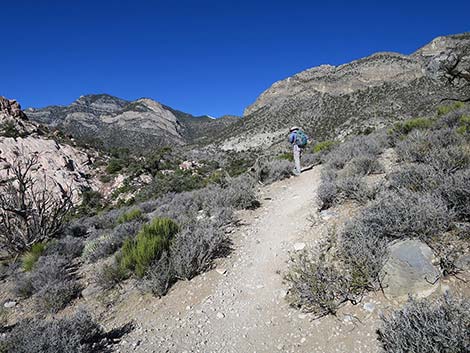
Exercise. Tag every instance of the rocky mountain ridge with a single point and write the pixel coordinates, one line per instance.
(334, 101)
(114, 122)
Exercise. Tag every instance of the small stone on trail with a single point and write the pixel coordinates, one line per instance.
(220, 315)
(221, 271)
(10, 304)
(299, 246)
(369, 307)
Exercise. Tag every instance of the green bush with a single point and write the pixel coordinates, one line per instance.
(445, 109)
(32, 256)
(114, 166)
(326, 145)
(464, 123)
(412, 124)
(8, 129)
(137, 254)
(132, 215)
(287, 156)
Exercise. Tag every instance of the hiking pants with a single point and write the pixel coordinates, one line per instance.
(297, 155)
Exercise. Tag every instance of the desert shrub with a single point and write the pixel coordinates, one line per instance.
(131, 215)
(324, 146)
(364, 165)
(29, 214)
(357, 146)
(288, 156)
(110, 243)
(444, 149)
(353, 188)
(446, 109)
(159, 276)
(397, 215)
(464, 125)
(92, 202)
(31, 256)
(54, 283)
(9, 129)
(407, 126)
(456, 192)
(424, 326)
(137, 254)
(239, 192)
(114, 166)
(327, 194)
(315, 286)
(271, 170)
(364, 253)
(68, 246)
(416, 177)
(109, 275)
(194, 248)
(79, 333)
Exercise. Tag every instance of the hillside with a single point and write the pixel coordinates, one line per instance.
(331, 101)
(107, 121)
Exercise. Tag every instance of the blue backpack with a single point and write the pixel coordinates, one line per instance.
(301, 139)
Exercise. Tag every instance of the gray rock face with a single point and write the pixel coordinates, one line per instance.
(113, 122)
(409, 270)
(330, 101)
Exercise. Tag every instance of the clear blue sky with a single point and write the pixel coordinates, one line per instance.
(202, 57)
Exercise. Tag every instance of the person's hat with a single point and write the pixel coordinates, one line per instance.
(293, 128)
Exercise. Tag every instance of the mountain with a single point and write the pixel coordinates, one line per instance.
(109, 121)
(331, 101)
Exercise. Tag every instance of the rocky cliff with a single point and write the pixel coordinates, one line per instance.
(330, 101)
(57, 163)
(113, 122)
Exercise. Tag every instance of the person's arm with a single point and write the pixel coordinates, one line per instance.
(292, 138)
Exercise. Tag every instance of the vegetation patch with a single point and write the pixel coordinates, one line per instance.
(31, 256)
(424, 326)
(137, 254)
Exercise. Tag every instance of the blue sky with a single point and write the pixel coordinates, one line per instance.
(202, 57)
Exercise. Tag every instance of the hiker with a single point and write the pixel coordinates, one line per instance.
(298, 140)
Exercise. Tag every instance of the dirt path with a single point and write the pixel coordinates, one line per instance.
(240, 306)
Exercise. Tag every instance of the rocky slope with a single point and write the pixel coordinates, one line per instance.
(113, 122)
(57, 163)
(330, 101)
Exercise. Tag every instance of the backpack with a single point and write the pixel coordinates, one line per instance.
(301, 139)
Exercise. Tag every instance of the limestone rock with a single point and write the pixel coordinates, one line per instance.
(410, 270)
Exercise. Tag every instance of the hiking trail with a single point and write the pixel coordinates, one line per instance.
(240, 306)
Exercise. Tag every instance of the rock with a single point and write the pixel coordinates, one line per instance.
(221, 271)
(220, 315)
(10, 304)
(299, 246)
(370, 307)
(90, 291)
(409, 270)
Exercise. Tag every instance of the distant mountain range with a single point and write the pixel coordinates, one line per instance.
(331, 101)
(107, 121)
(327, 101)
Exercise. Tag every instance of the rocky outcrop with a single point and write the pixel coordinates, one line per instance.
(57, 163)
(109, 121)
(331, 101)
(409, 270)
